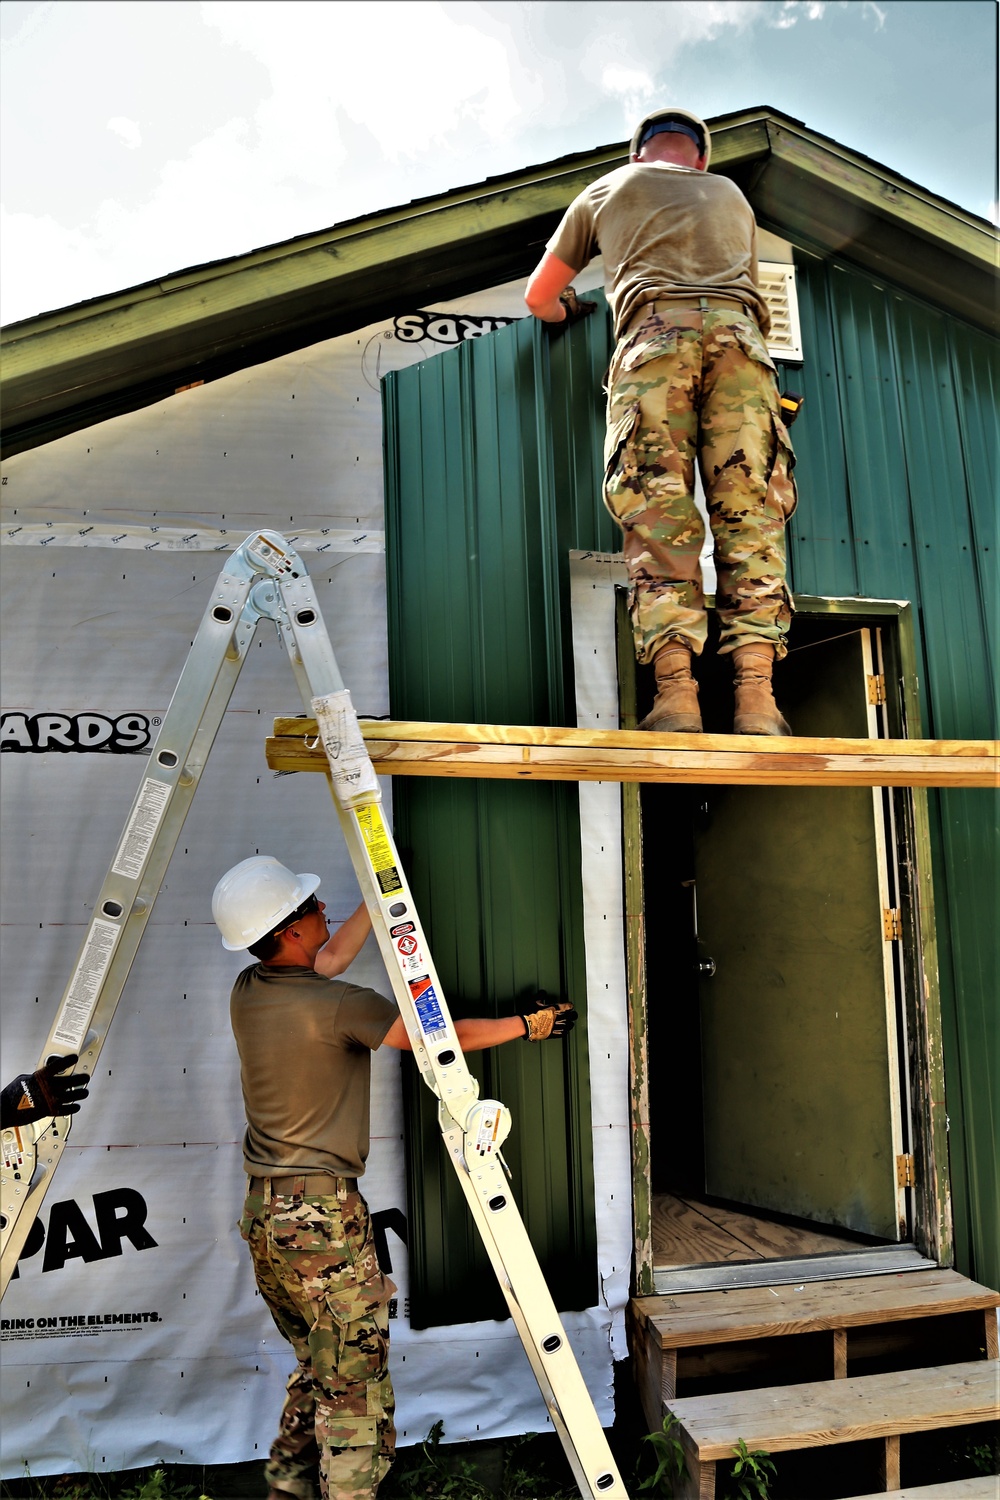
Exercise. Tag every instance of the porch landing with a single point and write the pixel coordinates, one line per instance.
(844, 1361)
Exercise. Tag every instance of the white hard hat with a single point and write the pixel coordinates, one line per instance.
(251, 899)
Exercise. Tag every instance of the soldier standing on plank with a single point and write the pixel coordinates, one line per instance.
(305, 1048)
(690, 378)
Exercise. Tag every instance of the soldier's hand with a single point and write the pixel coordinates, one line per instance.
(35, 1096)
(549, 1018)
(576, 308)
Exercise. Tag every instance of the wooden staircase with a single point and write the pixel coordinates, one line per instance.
(861, 1361)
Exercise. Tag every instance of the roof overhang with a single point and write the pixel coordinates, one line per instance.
(69, 369)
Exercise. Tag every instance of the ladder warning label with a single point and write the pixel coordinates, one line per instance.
(141, 828)
(379, 846)
(428, 1006)
(408, 954)
(84, 988)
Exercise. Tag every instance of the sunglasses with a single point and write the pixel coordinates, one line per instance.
(310, 904)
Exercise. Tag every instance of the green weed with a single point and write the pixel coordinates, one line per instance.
(528, 1483)
(669, 1456)
(751, 1475)
(432, 1470)
(158, 1484)
(426, 1471)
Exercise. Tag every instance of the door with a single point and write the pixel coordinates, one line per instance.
(799, 1022)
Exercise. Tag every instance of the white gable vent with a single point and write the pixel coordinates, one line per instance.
(777, 282)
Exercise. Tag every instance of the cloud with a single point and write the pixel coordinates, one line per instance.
(790, 12)
(127, 131)
(297, 115)
(357, 107)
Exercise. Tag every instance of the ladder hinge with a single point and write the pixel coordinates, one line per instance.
(876, 688)
(892, 923)
(904, 1171)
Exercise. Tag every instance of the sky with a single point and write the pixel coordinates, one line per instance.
(138, 137)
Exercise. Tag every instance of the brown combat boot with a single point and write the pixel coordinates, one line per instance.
(756, 710)
(675, 707)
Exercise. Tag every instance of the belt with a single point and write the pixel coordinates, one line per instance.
(304, 1185)
(688, 304)
(694, 304)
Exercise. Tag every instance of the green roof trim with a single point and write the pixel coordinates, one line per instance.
(68, 369)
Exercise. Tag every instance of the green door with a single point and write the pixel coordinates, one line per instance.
(799, 1021)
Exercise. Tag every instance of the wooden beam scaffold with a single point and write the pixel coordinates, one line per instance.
(518, 752)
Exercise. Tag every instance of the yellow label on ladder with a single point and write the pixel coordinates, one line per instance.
(379, 848)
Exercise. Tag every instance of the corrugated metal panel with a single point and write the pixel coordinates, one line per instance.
(898, 481)
(478, 535)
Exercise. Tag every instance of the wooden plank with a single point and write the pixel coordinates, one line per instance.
(982, 1487)
(647, 1364)
(668, 1382)
(772, 1240)
(698, 1480)
(991, 1338)
(643, 1256)
(782, 1418)
(774, 1311)
(889, 1465)
(556, 754)
(684, 1235)
(840, 1354)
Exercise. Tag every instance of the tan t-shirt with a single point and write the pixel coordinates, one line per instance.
(305, 1046)
(664, 230)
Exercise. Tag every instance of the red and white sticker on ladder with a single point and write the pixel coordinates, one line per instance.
(409, 955)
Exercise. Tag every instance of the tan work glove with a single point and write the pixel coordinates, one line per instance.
(550, 1018)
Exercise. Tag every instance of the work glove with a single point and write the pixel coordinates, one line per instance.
(548, 1018)
(35, 1096)
(575, 310)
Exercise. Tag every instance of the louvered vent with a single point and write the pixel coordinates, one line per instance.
(777, 282)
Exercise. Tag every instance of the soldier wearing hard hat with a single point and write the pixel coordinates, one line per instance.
(305, 1046)
(691, 379)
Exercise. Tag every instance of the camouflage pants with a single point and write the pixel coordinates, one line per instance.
(316, 1267)
(686, 384)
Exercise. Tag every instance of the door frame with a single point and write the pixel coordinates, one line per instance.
(930, 1188)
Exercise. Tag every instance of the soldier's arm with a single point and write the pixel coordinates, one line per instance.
(543, 1019)
(345, 944)
(550, 277)
(474, 1033)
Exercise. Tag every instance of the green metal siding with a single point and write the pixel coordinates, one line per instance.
(898, 482)
(492, 464)
(478, 535)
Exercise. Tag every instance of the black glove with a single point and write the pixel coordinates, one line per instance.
(548, 1018)
(35, 1096)
(575, 310)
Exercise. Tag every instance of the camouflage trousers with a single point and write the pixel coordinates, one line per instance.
(317, 1270)
(687, 385)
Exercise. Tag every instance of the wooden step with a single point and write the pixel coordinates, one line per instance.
(780, 1419)
(835, 1322)
(983, 1487)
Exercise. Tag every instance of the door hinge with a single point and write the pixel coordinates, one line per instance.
(876, 688)
(892, 923)
(904, 1171)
